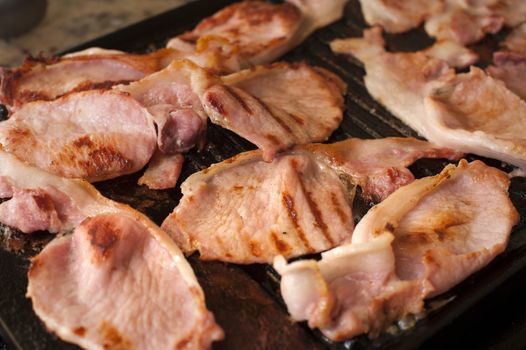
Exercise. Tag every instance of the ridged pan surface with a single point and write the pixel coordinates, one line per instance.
(245, 299)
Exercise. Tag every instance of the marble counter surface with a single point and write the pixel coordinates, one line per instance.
(70, 22)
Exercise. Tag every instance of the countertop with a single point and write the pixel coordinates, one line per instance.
(69, 22)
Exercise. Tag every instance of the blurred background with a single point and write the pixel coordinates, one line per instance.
(48, 27)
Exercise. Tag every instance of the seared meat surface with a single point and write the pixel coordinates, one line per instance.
(422, 240)
(246, 210)
(93, 135)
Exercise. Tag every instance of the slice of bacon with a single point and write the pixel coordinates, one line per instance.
(163, 171)
(38, 200)
(246, 210)
(118, 281)
(316, 14)
(469, 112)
(421, 241)
(47, 79)
(93, 135)
(454, 224)
(38, 209)
(253, 32)
(397, 16)
(352, 290)
(475, 113)
(278, 106)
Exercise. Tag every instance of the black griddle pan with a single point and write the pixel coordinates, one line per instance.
(487, 310)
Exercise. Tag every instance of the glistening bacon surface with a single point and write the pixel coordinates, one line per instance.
(86, 70)
(254, 32)
(93, 135)
(245, 210)
(421, 241)
(278, 106)
(118, 281)
(398, 80)
(259, 30)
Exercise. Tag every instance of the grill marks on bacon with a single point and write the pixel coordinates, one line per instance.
(117, 281)
(246, 210)
(41, 79)
(278, 106)
(470, 112)
(253, 32)
(92, 135)
(39, 201)
(278, 209)
(421, 241)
